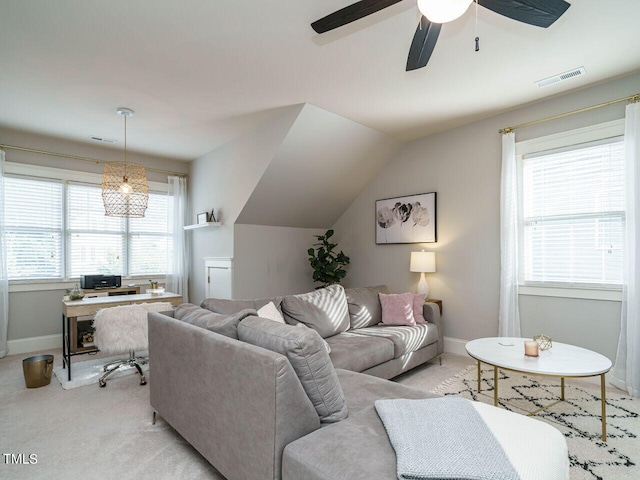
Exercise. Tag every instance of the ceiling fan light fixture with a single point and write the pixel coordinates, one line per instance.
(443, 11)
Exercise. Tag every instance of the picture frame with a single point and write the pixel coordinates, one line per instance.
(211, 216)
(202, 218)
(408, 219)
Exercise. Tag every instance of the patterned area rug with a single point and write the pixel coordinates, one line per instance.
(578, 418)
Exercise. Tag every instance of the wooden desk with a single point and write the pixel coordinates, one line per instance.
(73, 309)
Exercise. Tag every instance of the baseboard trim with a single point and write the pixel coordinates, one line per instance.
(34, 344)
(455, 345)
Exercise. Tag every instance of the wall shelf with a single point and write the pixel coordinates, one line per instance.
(203, 225)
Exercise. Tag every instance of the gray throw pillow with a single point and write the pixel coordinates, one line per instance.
(325, 310)
(309, 359)
(226, 325)
(364, 305)
(226, 306)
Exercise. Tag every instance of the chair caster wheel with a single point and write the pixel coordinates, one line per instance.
(102, 383)
(143, 381)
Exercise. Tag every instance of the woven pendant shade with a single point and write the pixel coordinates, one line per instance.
(125, 192)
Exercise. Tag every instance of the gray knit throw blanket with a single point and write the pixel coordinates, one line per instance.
(443, 438)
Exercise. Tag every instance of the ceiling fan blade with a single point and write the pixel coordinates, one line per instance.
(350, 14)
(424, 41)
(540, 13)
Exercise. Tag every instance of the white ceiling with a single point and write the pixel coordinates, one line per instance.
(199, 73)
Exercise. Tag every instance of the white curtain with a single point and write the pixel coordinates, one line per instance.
(626, 372)
(179, 255)
(4, 281)
(509, 316)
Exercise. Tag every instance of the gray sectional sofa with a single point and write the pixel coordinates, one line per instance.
(357, 341)
(262, 400)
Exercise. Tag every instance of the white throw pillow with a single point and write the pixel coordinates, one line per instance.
(271, 312)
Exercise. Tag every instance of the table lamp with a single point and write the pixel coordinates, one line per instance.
(423, 262)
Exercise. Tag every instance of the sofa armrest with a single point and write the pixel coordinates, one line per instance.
(211, 389)
(431, 313)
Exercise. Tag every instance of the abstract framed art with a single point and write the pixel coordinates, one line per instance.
(410, 219)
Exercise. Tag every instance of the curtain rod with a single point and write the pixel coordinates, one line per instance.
(631, 98)
(84, 159)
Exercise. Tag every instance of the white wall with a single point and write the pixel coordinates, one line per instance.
(463, 166)
(272, 261)
(224, 179)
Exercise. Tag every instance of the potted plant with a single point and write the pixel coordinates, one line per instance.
(327, 265)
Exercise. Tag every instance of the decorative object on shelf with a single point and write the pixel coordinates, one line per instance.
(125, 191)
(410, 219)
(543, 341)
(211, 217)
(327, 265)
(153, 284)
(531, 348)
(76, 293)
(202, 218)
(423, 262)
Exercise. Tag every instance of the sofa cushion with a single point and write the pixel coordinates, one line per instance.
(405, 338)
(324, 310)
(397, 308)
(226, 325)
(359, 352)
(357, 448)
(225, 306)
(364, 305)
(309, 359)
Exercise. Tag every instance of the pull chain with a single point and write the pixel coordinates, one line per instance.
(477, 37)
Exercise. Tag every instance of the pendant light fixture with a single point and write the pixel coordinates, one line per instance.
(443, 11)
(125, 192)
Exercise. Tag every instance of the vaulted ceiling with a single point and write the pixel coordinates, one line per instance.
(199, 73)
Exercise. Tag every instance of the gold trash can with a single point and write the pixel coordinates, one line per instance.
(37, 370)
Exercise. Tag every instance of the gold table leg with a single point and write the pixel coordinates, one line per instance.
(562, 388)
(603, 399)
(495, 386)
(479, 376)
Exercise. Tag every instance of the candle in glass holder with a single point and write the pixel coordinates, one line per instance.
(531, 348)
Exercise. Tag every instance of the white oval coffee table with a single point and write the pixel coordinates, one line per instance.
(562, 360)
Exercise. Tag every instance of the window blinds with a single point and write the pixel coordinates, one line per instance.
(573, 215)
(33, 216)
(148, 241)
(59, 231)
(95, 242)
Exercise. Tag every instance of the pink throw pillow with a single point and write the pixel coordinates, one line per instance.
(397, 309)
(418, 302)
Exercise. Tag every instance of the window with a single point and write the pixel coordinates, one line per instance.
(33, 228)
(572, 215)
(58, 230)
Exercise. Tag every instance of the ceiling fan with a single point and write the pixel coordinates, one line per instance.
(540, 13)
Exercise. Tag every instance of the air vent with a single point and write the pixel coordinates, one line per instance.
(104, 140)
(561, 77)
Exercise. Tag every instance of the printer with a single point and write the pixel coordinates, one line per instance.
(97, 282)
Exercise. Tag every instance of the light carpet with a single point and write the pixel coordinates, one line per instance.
(89, 371)
(578, 418)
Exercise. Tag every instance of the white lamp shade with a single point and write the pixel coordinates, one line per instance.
(443, 11)
(423, 262)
